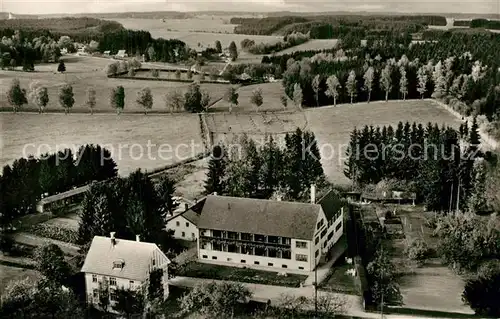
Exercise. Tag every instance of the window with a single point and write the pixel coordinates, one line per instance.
(204, 256)
(95, 293)
(270, 264)
(192, 235)
(301, 268)
(338, 226)
(330, 235)
(229, 259)
(256, 263)
(300, 257)
(245, 236)
(131, 282)
(243, 261)
(301, 244)
(323, 233)
(316, 241)
(316, 253)
(286, 254)
(284, 266)
(187, 224)
(112, 281)
(177, 224)
(94, 278)
(153, 261)
(118, 264)
(183, 234)
(320, 223)
(214, 257)
(112, 294)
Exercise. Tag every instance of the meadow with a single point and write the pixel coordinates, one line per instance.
(271, 93)
(313, 44)
(333, 125)
(171, 137)
(85, 72)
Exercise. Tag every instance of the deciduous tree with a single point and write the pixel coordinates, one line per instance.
(61, 67)
(174, 101)
(49, 261)
(233, 51)
(284, 101)
(66, 97)
(256, 98)
(368, 85)
(91, 102)
(386, 80)
(315, 86)
(118, 99)
(231, 97)
(403, 83)
(16, 95)
(351, 85)
(333, 85)
(422, 78)
(297, 95)
(145, 99)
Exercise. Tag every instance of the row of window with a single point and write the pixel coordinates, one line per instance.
(256, 262)
(183, 234)
(245, 250)
(112, 280)
(178, 224)
(246, 237)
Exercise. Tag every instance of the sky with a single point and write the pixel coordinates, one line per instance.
(98, 6)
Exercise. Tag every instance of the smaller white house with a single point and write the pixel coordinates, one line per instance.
(115, 263)
(107, 53)
(185, 224)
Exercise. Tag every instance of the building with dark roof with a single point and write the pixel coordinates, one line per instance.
(266, 233)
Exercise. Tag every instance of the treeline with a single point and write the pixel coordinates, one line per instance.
(289, 41)
(268, 171)
(141, 42)
(427, 160)
(320, 26)
(25, 181)
(80, 29)
(486, 24)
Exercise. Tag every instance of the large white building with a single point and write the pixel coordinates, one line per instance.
(118, 263)
(277, 235)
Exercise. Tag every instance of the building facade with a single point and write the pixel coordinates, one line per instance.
(272, 234)
(113, 263)
(185, 224)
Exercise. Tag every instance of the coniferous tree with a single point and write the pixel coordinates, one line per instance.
(216, 171)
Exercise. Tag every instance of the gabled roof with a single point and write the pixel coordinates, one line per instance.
(331, 204)
(258, 216)
(192, 214)
(137, 258)
(63, 195)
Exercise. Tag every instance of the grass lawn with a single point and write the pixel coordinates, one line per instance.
(271, 93)
(8, 274)
(217, 272)
(333, 125)
(170, 137)
(313, 44)
(338, 280)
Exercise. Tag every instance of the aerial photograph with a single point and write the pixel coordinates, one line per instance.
(249, 159)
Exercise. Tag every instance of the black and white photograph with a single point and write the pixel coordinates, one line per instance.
(249, 159)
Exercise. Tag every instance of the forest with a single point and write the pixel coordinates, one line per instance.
(23, 183)
(329, 26)
(460, 67)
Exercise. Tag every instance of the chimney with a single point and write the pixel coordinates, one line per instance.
(137, 238)
(186, 206)
(313, 193)
(113, 240)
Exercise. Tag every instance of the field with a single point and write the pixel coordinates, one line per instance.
(85, 72)
(226, 127)
(333, 125)
(171, 137)
(313, 44)
(202, 30)
(271, 93)
(432, 287)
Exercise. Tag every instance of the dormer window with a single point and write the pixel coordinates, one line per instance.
(118, 264)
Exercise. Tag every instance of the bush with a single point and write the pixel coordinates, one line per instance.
(417, 250)
(482, 295)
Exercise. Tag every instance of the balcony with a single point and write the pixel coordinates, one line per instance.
(246, 243)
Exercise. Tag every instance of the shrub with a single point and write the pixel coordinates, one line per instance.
(417, 250)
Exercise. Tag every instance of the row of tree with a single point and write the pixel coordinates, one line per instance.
(268, 171)
(25, 181)
(428, 159)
